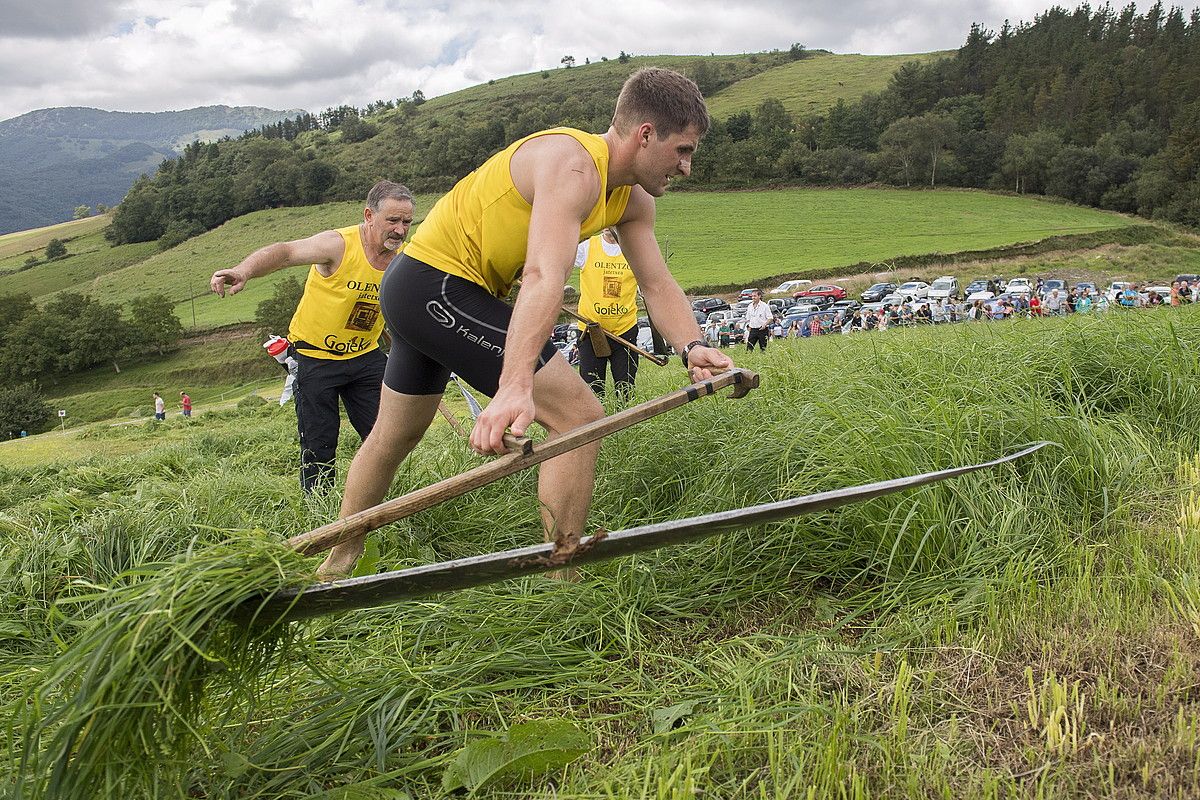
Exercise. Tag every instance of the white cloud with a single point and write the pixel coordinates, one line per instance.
(147, 55)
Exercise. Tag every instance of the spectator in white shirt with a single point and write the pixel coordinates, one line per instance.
(759, 317)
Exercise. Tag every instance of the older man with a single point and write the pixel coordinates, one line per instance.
(336, 328)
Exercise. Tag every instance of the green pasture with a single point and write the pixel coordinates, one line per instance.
(715, 238)
(711, 238)
(88, 257)
(36, 239)
(815, 84)
(1026, 631)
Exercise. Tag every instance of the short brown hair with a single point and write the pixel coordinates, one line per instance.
(670, 101)
(387, 190)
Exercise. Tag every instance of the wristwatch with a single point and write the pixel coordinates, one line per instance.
(687, 350)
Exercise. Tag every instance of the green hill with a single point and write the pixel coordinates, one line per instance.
(813, 85)
(712, 238)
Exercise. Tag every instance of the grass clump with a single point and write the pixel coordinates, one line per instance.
(129, 689)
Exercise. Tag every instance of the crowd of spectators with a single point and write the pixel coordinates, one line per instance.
(730, 330)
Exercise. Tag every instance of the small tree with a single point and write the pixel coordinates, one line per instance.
(55, 249)
(274, 314)
(624, 57)
(567, 61)
(23, 408)
(797, 52)
(154, 322)
(81, 212)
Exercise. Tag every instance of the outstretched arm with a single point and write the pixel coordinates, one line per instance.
(664, 299)
(324, 249)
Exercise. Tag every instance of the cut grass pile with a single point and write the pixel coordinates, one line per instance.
(967, 639)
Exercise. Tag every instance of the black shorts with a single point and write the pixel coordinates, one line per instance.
(441, 323)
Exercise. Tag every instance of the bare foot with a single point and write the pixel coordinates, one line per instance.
(340, 562)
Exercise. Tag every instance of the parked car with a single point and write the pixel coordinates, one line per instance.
(1189, 278)
(779, 305)
(877, 292)
(981, 285)
(1087, 286)
(846, 306)
(984, 295)
(787, 287)
(1050, 284)
(1114, 290)
(748, 294)
(802, 321)
(885, 302)
(823, 290)
(739, 308)
(945, 287)
(1162, 291)
(700, 316)
(708, 304)
(723, 316)
(1020, 286)
(913, 290)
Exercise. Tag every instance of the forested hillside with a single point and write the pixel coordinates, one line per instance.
(1097, 106)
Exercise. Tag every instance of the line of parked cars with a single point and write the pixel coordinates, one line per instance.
(802, 298)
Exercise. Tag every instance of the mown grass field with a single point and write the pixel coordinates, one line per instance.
(88, 257)
(815, 84)
(36, 239)
(1028, 631)
(712, 238)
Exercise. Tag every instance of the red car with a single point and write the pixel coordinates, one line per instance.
(824, 290)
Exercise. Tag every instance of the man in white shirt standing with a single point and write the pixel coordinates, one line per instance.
(759, 317)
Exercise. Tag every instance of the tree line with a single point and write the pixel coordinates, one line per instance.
(71, 332)
(1101, 107)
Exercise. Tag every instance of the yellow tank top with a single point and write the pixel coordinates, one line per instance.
(479, 230)
(338, 316)
(607, 289)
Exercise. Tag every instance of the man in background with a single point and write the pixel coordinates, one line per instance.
(337, 325)
(608, 298)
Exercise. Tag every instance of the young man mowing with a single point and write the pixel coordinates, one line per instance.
(528, 207)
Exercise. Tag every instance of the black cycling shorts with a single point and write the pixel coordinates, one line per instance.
(441, 323)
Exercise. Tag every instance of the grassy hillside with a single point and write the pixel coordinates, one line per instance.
(712, 238)
(1025, 631)
(35, 240)
(88, 256)
(813, 85)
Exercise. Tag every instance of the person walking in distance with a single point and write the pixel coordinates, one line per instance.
(160, 407)
(608, 298)
(337, 325)
(759, 316)
(526, 209)
(186, 402)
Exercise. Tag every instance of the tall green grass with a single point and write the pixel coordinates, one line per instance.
(793, 658)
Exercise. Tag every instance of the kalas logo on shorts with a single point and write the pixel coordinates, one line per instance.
(440, 315)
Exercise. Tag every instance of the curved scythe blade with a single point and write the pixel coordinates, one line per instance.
(392, 587)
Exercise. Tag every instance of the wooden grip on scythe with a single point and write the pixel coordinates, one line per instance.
(365, 521)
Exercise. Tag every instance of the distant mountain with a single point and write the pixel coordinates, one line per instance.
(54, 159)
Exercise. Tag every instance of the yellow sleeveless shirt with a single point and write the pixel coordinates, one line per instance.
(480, 229)
(607, 289)
(338, 316)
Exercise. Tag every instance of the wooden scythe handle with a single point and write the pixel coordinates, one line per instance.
(369, 519)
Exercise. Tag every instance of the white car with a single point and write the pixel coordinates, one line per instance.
(1020, 286)
(984, 296)
(913, 290)
(1114, 290)
(1162, 291)
(787, 287)
(944, 287)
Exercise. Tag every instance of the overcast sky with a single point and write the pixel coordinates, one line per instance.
(150, 55)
